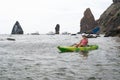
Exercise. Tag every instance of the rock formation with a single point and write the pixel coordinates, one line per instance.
(87, 22)
(57, 29)
(17, 29)
(110, 20)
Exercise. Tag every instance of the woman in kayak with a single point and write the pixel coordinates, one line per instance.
(83, 42)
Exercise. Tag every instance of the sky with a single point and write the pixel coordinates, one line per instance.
(43, 15)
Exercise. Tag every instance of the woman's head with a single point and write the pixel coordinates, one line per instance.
(83, 35)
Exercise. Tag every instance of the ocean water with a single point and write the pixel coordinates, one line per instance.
(36, 57)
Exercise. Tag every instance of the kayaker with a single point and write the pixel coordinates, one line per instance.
(83, 42)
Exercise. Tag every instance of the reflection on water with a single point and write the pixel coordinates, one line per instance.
(84, 54)
(36, 57)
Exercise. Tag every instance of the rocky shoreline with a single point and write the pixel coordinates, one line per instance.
(109, 21)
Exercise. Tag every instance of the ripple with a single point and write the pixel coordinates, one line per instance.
(37, 58)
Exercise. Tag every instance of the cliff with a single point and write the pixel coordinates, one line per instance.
(109, 21)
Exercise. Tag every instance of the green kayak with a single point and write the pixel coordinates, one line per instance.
(77, 49)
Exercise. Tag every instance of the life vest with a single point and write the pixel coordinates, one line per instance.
(84, 42)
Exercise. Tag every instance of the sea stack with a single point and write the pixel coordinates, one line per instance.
(57, 29)
(87, 22)
(17, 29)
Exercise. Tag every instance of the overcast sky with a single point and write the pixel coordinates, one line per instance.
(43, 15)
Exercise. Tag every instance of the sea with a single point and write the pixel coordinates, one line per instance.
(36, 57)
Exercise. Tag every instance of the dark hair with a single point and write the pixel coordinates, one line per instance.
(84, 36)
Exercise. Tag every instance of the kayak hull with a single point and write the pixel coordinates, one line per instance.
(77, 49)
